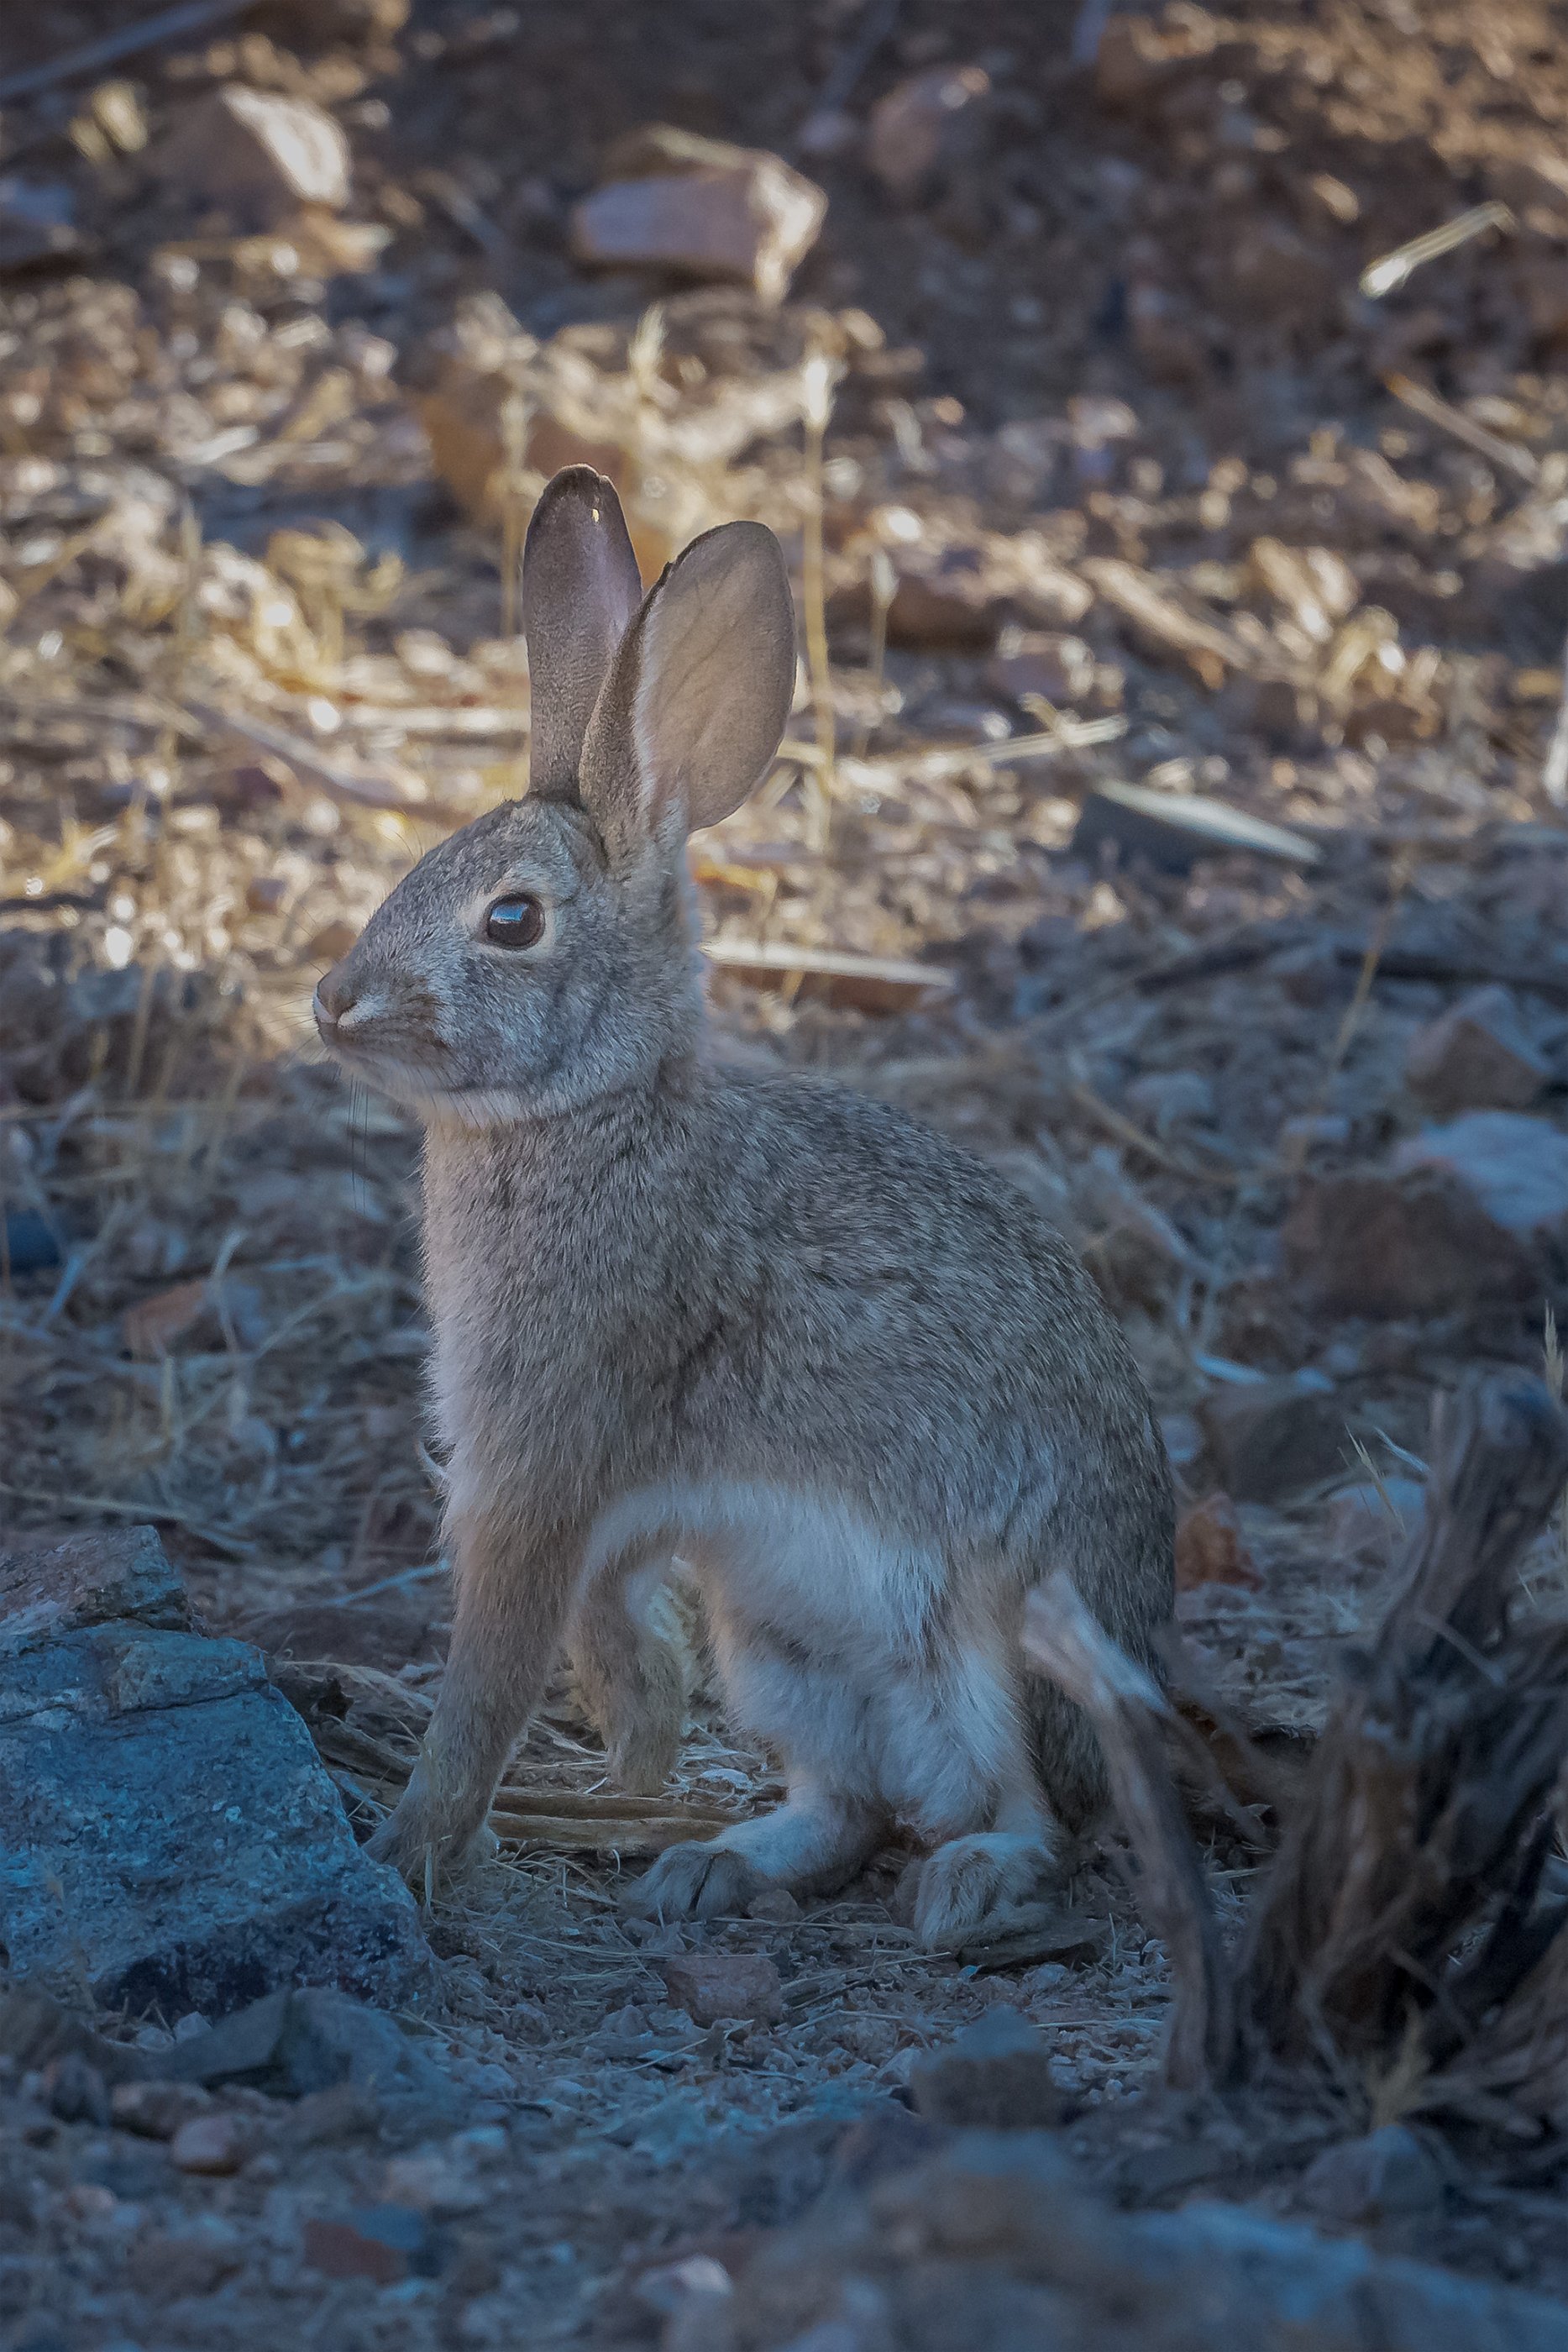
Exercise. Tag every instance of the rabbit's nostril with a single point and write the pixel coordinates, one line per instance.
(334, 996)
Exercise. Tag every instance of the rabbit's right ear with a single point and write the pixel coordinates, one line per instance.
(695, 702)
(581, 588)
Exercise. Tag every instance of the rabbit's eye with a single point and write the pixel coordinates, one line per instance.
(516, 923)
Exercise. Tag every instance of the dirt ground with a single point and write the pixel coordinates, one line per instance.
(1126, 478)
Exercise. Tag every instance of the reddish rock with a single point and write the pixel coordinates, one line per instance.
(1210, 1547)
(1476, 1056)
(1468, 1214)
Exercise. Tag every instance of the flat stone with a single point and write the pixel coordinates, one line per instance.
(1269, 1438)
(294, 2044)
(703, 209)
(996, 2077)
(711, 1985)
(169, 1837)
(1477, 1057)
(1172, 831)
(1388, 2172)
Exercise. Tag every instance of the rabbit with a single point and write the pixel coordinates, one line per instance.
(773, 1328)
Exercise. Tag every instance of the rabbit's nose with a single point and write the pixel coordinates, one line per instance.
(334, 995)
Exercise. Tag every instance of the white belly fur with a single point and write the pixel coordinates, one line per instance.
(823, 1627)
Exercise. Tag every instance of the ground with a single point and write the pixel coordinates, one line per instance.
(1160, 493)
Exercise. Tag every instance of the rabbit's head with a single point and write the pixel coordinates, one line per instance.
(545, 954)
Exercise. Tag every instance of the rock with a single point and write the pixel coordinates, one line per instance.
(1269, 1438)
(1389, 2172)
(192, 2259)
(1057, 667)
(175, 1840)
(925, 127)
(1468, 1214)
(1173, 830)
(702, 208)
(382, 2243)
(996, 2077)
(210, 2143)
(775, 1902)
(86, 1580)
(1210, 1547)
(296, 2045)
(710, 1986)
(1370, 1521)
(155, 2110)
(1476, 1056)
(256, 154)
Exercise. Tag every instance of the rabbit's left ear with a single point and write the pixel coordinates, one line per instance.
(581, 588)
(697, 696)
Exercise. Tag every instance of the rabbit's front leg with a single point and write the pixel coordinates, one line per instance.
(514, 1584)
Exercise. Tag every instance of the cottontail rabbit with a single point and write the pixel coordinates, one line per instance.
(845, 1371)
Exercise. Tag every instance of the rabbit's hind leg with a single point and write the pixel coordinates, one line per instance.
(631, 1664)
(960, 1758)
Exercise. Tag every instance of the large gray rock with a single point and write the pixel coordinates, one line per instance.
(168, 1836)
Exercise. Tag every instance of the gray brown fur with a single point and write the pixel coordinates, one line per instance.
(771, 1327)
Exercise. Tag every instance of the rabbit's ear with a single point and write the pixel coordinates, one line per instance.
(581, 588)
(697, 699)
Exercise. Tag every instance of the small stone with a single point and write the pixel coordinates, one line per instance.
(995, 2077)
(257, 155)
(431, 2183)
(155, 2110)
(1477, 1057)
(190, 2261)
(924, 127)
(711, 1985)
(215, 2143)
(702, 208)
(1388, 2173)
(1210, 1547)
(775, 1902)
(1269, 1438)
(382, 2243)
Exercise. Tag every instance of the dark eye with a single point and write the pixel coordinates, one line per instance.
(516, 923)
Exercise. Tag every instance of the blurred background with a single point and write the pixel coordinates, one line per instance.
(1164, 419)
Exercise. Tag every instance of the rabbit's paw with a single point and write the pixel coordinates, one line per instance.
(423, 1849)
(968, 1885)
(696, 1881)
